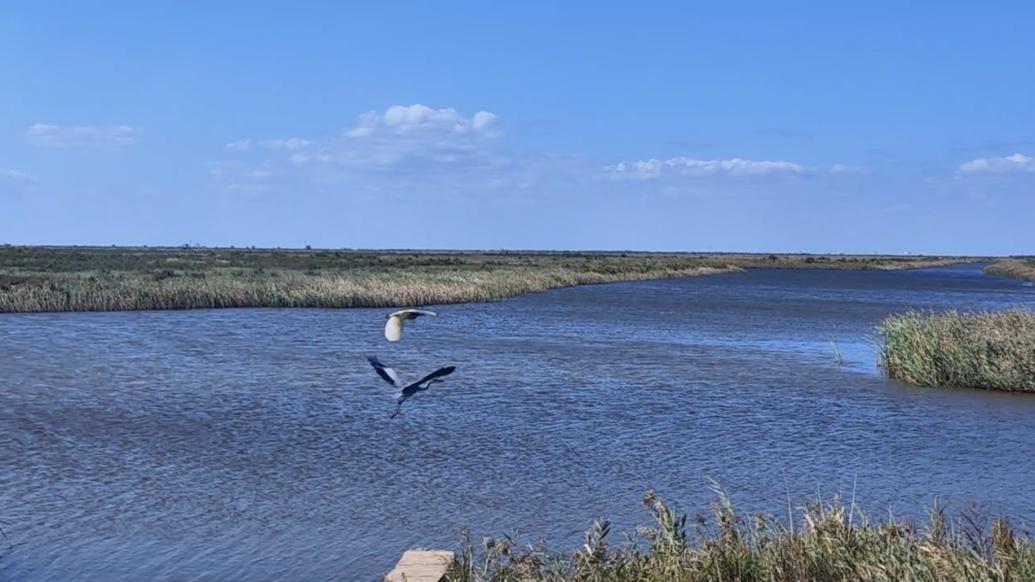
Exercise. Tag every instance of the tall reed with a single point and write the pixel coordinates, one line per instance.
(296, 289)
(1016, 268)
(975, 350)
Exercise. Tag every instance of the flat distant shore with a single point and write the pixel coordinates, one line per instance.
(54, 279)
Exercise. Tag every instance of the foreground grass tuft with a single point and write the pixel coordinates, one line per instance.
(974, 350)
(830, 542)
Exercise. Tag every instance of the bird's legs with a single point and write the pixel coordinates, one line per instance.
(398, 408)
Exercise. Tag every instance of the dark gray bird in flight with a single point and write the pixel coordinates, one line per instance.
(389, 375)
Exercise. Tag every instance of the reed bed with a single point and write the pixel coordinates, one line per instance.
(1016, 268)
(293, 289)
(828, 542)
(36, 279)
(988, 350)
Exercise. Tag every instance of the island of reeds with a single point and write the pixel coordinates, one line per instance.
(38, 279)
(973, 350)
(824, 542)
(1016, 268)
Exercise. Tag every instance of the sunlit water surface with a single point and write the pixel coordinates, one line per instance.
(255, 445)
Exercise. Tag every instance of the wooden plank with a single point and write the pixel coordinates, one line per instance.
(421, 566)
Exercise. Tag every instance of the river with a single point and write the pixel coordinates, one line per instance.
(255, 444)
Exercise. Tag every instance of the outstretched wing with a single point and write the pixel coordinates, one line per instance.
(394, 326)
(412, 313)
(439, 373)
(387, 374)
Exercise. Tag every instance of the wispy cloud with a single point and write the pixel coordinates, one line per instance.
(82, 136)
(992, 145)
(244, 178)
(9, 175)
(1014, 163)
(682, 166)
(291, 144)
(783, 132)
(846, 169)
(15, 182)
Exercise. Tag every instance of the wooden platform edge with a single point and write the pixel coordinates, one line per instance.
(421, 566)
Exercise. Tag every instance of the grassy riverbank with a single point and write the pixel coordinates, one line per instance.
(34, 279)
(831, 542)
(975, 350)
(1016, 268)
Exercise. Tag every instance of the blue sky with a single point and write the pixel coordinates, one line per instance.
(751, 126)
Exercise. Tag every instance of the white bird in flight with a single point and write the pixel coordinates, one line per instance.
(394, 327)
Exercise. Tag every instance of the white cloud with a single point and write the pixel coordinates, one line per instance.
(846, 169)
(403, 119)
(240, 145)
(483, 121)
(1014, 163)
(400, 149)
(259, 174)
(366, 124)
(682, 166)
(244, 177)
(302, 158)
(412, 141)
(239, 188)
(415, 139)
(9, 175)
(294, 143)
(82, 136)
(291, 144)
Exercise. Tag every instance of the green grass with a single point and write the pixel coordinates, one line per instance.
(1016, 268)
(831, 542)
(34, 279)
(974, 350)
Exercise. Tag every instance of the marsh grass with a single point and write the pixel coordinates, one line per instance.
(34, 279)
(830, 542)
(1016, 268)
(974, 350)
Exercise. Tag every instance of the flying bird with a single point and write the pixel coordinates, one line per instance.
(394, 327)
(389, 375)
